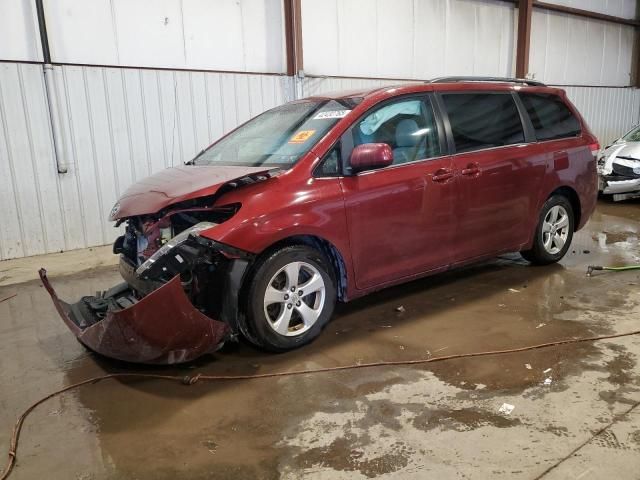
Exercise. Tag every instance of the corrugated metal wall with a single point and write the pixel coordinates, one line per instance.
(318, 85)
(19, 38)
(617, 8)
(430, 38)
(610, 112)
(31, 215)
(118, 126)
(234, 35)
(570, 50)
(408, 38)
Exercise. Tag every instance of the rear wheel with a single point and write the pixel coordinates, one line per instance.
(554, 232)
(291, 297)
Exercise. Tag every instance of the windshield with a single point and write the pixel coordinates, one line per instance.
(278, 137)
(633, 135)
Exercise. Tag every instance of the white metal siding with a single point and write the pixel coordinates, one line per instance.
(570, 50)
(238, 35)
(19, 36)
(317, 85)
(617, 8)
(118, 126)
(408, 38)
(29, 189)
(610, 112)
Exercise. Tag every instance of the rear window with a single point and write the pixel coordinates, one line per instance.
(550, 117)
(483, 120)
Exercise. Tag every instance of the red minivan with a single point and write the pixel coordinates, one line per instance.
(332, 197)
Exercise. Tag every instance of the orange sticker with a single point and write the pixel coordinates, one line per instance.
(302, 136)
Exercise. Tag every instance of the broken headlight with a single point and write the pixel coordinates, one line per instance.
(175, 255)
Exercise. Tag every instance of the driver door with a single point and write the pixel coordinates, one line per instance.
(400, 217)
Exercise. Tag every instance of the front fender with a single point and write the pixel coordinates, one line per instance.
(314, 207)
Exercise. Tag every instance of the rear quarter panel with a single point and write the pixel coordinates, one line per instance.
(577, 170)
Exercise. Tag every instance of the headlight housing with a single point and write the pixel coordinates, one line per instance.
(114, 211)
(171, 250)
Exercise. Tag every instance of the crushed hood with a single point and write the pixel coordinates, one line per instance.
(176, 184)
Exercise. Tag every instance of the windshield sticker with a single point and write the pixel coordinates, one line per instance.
(332, 114)
(302, 136)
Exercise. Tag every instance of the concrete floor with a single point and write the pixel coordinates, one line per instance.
(433, 421)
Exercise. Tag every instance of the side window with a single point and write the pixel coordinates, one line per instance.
(483, 120)
(550, 117)
(408, 126)
(330, 165)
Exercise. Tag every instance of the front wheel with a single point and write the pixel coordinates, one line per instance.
(554, 232)
(291, 298)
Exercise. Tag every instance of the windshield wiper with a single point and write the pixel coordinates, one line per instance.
(193, 160)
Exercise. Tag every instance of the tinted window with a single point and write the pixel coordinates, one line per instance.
(483, 120)
(551, 118)
(407, 126)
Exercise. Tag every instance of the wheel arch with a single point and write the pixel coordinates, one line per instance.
(328, 249)
(571, 195)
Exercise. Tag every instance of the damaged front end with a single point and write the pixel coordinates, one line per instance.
(162, 327)
(619, 171)
(180, 296)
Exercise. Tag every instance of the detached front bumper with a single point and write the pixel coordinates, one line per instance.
(610, 186)
(161, 328)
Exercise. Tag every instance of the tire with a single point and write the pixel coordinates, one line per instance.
(554, 232)
(278, 318)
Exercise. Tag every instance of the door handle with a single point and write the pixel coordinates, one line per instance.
(472, 170)
(442, 175)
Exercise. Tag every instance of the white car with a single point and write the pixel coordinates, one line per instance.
(619, 167)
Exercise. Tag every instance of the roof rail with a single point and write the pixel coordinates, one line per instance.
(525, 81)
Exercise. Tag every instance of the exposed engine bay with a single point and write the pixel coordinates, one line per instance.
(156, 248)
(179, 298)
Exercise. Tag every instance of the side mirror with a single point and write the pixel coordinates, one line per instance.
(370, 156)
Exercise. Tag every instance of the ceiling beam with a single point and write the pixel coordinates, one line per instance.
(525, 9)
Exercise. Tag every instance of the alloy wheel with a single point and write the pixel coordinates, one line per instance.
(555, 229)
(294, 298)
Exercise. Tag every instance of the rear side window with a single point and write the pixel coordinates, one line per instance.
(483, 120)
(550, 117)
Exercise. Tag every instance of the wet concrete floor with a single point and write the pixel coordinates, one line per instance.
(433, 421)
